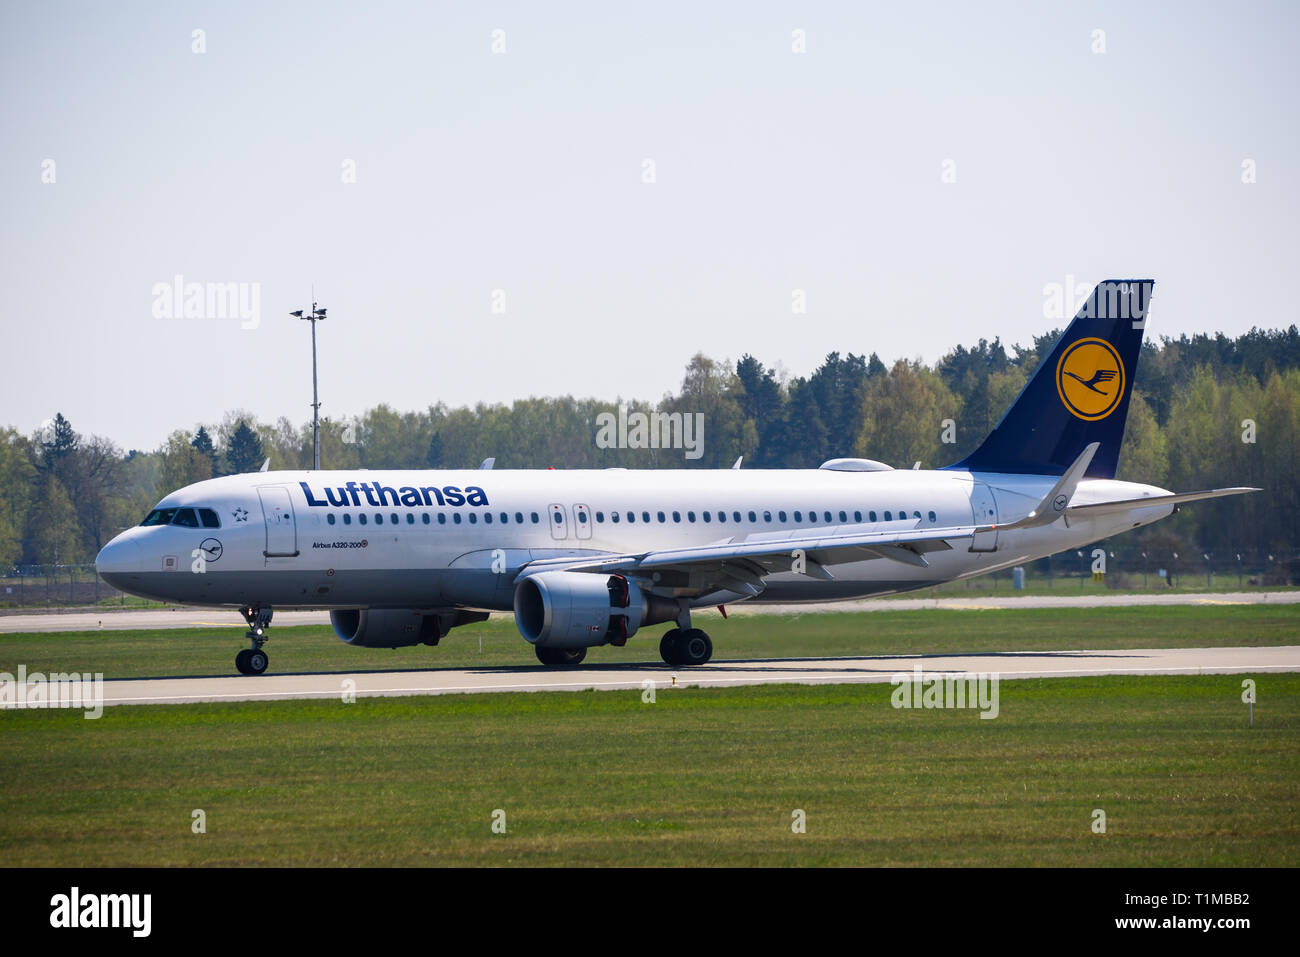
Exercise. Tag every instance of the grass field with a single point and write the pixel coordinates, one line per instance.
(699, 777)
(131, 654)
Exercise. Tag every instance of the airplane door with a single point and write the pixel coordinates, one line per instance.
(581, 521)
(984, 511)
(277, 511)
(559, 523)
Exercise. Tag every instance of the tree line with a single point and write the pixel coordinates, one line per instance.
(1207, 411)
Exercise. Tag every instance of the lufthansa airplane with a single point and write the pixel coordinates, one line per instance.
(590, 557)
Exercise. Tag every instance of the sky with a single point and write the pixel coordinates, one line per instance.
(496, 201)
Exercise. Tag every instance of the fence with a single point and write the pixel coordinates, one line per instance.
(59, 585)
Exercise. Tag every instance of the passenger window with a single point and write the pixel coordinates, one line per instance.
(781, 516)
(677, 516)
(932, 517)
(487, 518)
(362, 518)
(473, 518)
(442, 518)
(455, 517)
(425, 518)
(917, 516)
(857, 516)
(660, 516)
(828, 517)
(872, 516)
(767, 516)
(393, 518)
(347, 519)
(736, 516)
(706, 517)
(690, 516)
(209, 518)
(410, 519)
(186, 518)
(330, 518)
(645, 517)
(519, 518)
(535, 518)
(798, 516)
(600, 518)
(614, 517)
(888, 515)
(722, 517)
(379, 519)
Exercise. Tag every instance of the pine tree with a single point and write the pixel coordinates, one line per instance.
(245, 452)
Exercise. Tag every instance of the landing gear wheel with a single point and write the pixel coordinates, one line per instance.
(669, 647)
(694, 647)
(560, 656)
(257, 661)
(251, 661)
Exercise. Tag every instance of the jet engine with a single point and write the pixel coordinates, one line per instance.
(578, 610)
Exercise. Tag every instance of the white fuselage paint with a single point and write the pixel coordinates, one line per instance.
(473, 563)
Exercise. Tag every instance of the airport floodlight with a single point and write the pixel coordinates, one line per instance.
(317, 314)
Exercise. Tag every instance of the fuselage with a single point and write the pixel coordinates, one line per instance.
(426, 539)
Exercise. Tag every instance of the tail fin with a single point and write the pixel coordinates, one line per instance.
(1078, 395)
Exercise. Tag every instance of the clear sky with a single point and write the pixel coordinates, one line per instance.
(524, 172)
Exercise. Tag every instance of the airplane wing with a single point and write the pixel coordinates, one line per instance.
(742, 565)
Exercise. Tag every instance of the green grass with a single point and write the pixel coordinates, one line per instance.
(205, 651)
(700, 777)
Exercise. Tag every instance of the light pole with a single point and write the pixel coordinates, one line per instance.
(316, 316)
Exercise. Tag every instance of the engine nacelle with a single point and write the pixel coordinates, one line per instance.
(579, 610)
(398, 627)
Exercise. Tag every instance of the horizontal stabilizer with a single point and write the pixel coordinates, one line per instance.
(1127, 505)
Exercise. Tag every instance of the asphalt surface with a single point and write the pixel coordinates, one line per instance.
(161, 618)
(665, 679)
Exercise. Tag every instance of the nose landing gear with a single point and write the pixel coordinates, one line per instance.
(254, 661)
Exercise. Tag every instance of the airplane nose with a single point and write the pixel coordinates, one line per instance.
(118, 558)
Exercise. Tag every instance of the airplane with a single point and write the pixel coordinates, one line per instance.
(590, 557)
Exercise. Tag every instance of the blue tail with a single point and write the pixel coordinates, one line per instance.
(1078, 395)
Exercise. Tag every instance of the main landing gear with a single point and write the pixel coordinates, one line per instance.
(684, 645)
(253, 661)
(560, 656)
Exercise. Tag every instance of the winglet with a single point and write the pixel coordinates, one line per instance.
(1053, 506)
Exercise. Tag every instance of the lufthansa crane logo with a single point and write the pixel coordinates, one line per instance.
(1090, 378)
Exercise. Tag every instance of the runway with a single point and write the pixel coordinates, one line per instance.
(164, 618)
(720, 674)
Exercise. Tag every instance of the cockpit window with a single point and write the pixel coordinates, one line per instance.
(184, 517)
